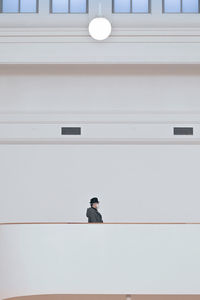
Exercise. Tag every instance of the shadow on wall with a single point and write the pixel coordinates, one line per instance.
(107, 297)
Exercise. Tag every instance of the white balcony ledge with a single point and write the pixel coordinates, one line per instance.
(138, 259)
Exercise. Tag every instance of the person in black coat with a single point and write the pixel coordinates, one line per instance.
(92, 213)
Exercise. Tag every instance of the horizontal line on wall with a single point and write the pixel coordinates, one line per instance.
(112, 40)
(61, 31)
(99, 142)
(100, 122)
(100, 117)
(100, 112)
(108, 42)
(101, 224)
(82, 61)
(80, 35)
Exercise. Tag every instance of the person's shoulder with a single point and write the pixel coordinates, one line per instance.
(89, 209)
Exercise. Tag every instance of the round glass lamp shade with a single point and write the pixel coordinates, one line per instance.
(100, 28)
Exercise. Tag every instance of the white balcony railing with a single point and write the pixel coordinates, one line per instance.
(104, 258)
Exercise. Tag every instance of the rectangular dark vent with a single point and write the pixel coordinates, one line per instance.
(71, 131)
(183, 131)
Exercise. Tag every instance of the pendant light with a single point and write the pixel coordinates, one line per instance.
(100, 27)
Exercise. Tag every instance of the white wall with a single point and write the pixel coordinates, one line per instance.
(99, 259)
(64, 38)
(99, 89)
(133, 182)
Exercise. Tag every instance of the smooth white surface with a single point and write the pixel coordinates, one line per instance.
(93, 133)
(98, 259)
(145, 183)
(87, 90)
(123, 47)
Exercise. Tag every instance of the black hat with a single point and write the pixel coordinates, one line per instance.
(94, 200)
